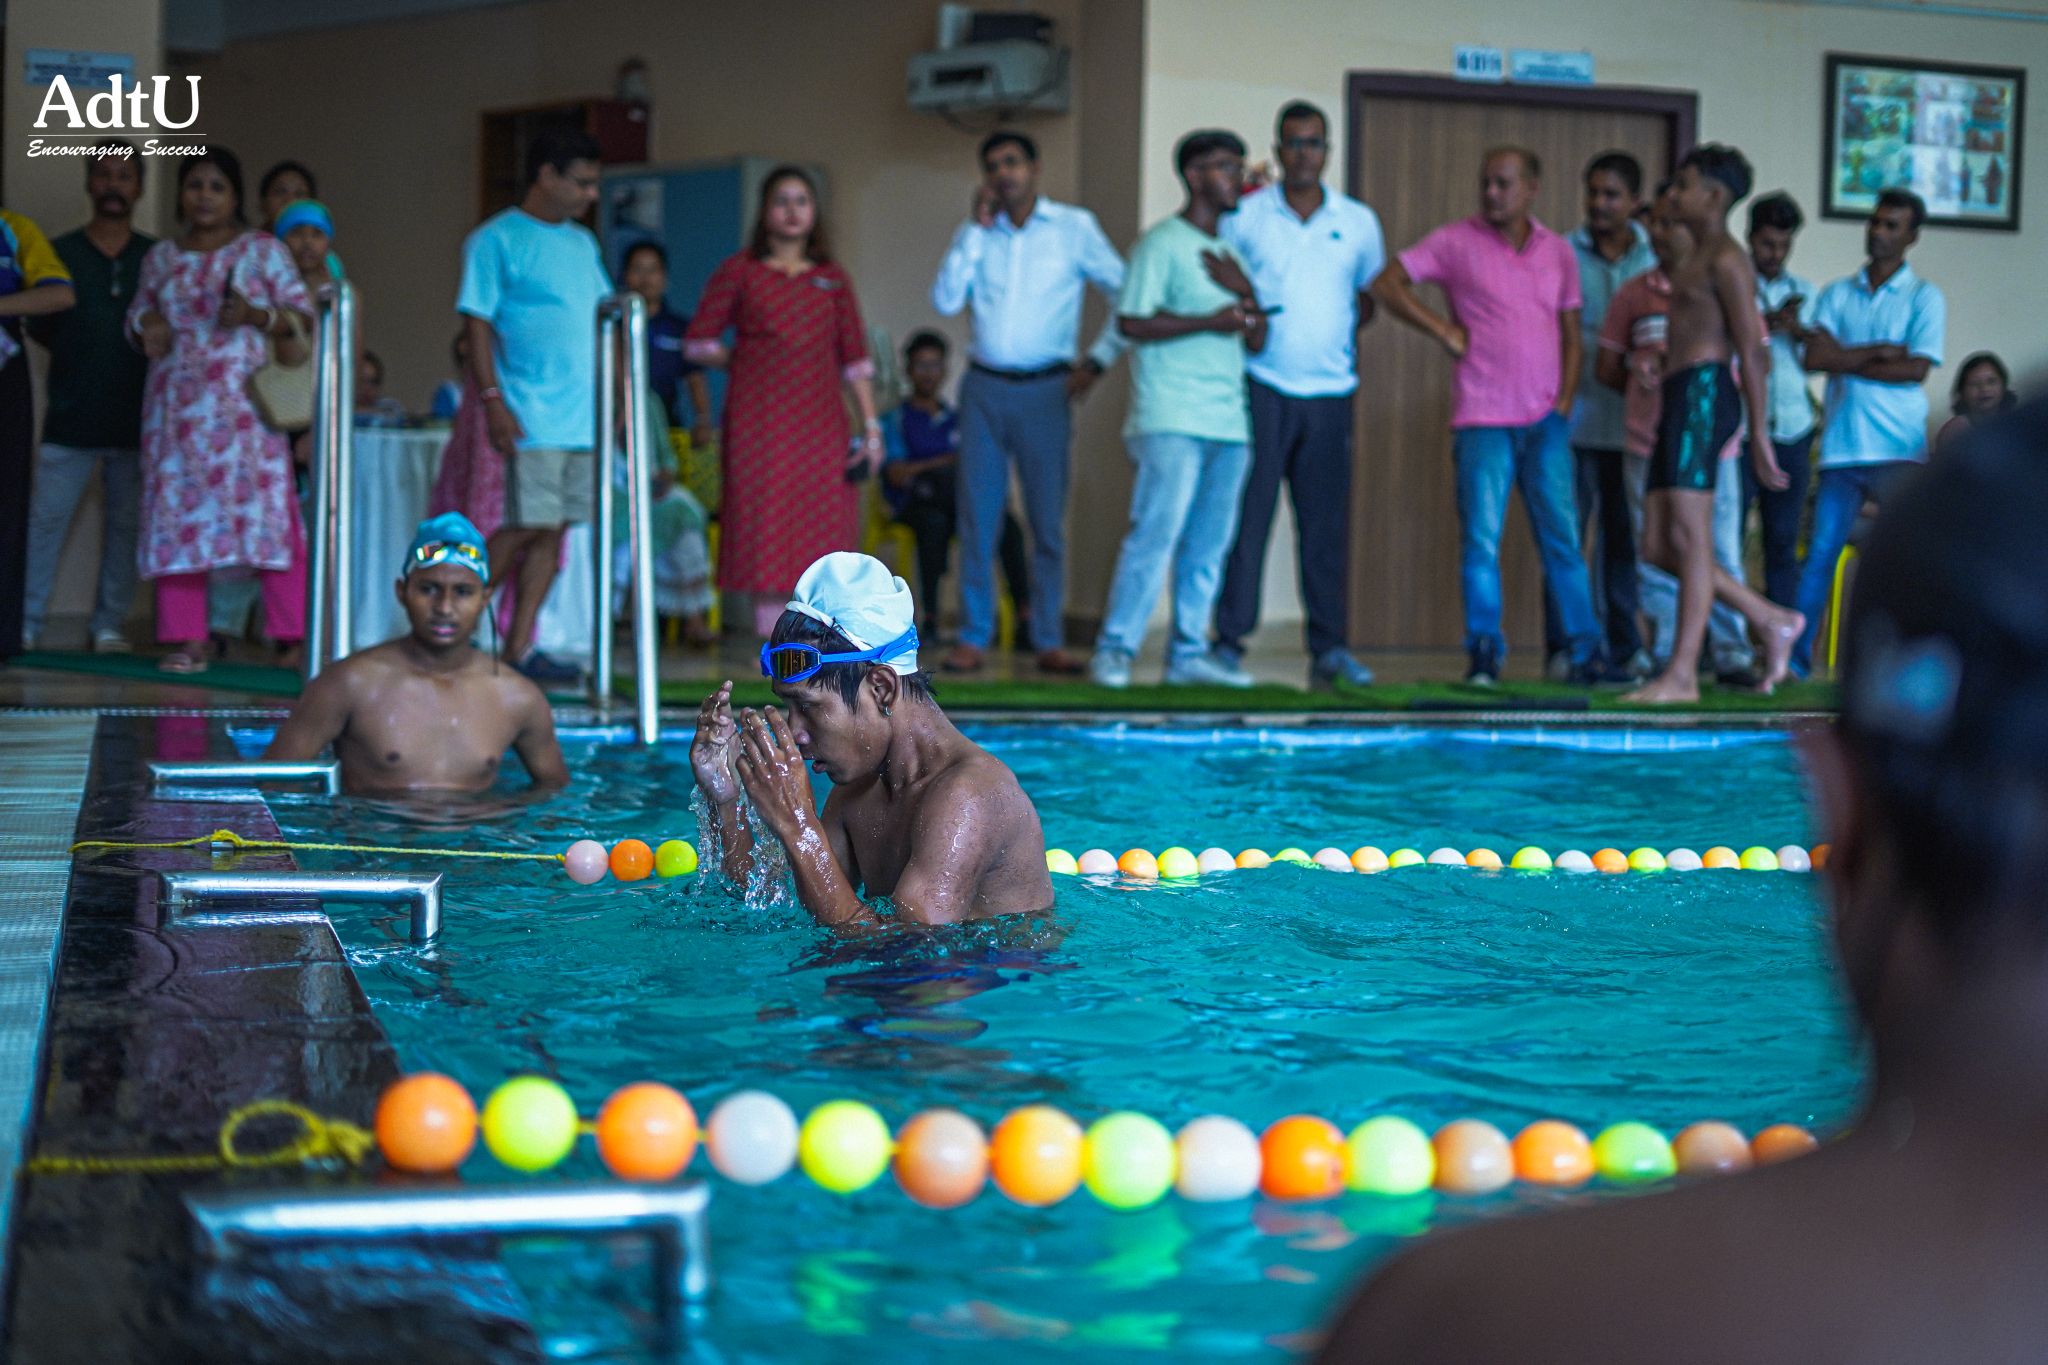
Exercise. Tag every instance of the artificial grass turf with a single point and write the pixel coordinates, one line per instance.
(1035, 694)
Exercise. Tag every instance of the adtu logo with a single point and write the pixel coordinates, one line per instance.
(145, 102)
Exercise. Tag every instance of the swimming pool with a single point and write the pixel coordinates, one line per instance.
(1436, 993)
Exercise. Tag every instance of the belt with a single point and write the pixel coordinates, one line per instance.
(1019, 376)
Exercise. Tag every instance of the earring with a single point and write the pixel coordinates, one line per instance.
(885, 713)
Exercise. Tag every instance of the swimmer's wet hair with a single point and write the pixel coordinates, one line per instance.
(795, 628)
(1945, 689)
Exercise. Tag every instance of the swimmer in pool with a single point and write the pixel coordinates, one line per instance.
(1919, 1236)
(427, 711)
(918, 812)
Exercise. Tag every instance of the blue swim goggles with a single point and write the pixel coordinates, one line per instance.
(794, 663)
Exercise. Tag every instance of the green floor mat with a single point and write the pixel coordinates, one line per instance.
(264, 679)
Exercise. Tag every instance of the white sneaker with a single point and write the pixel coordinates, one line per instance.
(1206, 670)
(1111, 667)
(111, 642)
(28, 642)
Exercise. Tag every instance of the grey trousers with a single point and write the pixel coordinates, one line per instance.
(61, 476)
(1029, 424)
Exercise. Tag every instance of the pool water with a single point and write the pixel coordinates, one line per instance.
(1436, 993)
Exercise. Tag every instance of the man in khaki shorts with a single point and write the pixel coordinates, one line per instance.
(532, 277)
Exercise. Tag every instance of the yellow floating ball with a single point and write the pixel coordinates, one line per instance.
(844, 1146)
(1060, 861)
(1629, 1153)
(1178, 863)
(1295, 856)
(1759, 859)
(530, 1123)
(1482, 857)
(1531, 859)
(1254, 857)
(1389, 1155)
(1128, 1160)
(1368, 859)
(675, 858)
(1404, 857)
(1720, 856)
(1646, 860)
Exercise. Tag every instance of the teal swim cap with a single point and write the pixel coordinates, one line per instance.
(450, 538)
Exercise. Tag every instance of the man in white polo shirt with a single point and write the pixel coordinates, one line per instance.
(1875, 335)
(1311, 252)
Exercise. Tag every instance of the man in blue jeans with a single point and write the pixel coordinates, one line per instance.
(1513, 286)
(1875, 335)
(1788, 301)
(1191, 309)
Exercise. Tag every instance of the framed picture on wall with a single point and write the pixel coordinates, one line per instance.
(1949, 133)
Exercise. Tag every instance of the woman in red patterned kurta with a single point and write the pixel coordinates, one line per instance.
(797, 338)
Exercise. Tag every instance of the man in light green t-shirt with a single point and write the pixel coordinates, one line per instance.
(1190, 308)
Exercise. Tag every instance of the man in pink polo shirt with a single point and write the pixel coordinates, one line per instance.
(1513, 289)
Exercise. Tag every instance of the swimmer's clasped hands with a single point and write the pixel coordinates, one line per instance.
(772, 770)
(716, 747)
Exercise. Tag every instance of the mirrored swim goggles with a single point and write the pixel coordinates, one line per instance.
(442, 551)
(794, 663)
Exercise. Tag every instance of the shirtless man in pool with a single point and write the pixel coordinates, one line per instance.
(918, 812)
(427, 711)
(1921, 1235)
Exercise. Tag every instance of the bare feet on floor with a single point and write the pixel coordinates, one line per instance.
(1667, 688)
(1778, 638)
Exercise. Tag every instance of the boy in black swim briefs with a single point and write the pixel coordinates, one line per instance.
(1714, 328)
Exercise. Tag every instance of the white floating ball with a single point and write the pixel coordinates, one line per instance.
(1215, 860)
(1097, 862)
(1793, 858)
(1447, 857)
(1219, 1159)
(1682, 860)
(1335, 859)
(1572, 860)
(752, 1137)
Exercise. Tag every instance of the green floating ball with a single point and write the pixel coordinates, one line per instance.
(1295, 856)
(1530, 860)
(1177, 863)
(844, 1145)
(1128, 1160)
(675, 858)
(1630, 1153)
(1646, 860)
(1759, 859)
(530, 1123)
(1389, 1155)
(1060, 861)
(1404, 857)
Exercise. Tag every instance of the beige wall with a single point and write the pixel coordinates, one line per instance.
(1757, 65)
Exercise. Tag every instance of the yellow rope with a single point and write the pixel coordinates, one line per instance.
(320, 1139)
(237, 841)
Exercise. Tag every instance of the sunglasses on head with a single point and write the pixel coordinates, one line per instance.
(440, 551)
(794, 663)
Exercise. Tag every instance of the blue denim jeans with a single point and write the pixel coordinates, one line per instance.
(1184, 510)
(1538, 460)
(1843, 491)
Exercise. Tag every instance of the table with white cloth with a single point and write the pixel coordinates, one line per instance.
(394, 478)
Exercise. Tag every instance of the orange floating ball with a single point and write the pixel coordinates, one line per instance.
(941, 1159)
(1301, 1157)
(632, 860)
(426, 1123)
(1610, 860)
(1482, 857)
(1720, 856)
(1550, 1152)
(1035, 1155)
(1819, 855)
(1472, 1158)
(646, 1132)
(1711, 1148)
(1782, 1142)
(1139, 864)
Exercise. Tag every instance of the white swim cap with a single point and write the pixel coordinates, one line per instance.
(857, 596)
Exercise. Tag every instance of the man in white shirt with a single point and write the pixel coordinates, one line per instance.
(1788, 301)
(1022, 262)
(1311, 252)
(1875, 335)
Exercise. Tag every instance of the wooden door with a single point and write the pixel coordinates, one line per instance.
(1416, 144)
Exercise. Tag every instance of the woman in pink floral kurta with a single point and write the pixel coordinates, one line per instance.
(216, 482)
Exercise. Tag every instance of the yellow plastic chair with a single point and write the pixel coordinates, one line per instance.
(1842, 562)
(714, 615)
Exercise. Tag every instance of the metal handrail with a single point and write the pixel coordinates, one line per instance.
(672, 1217)
(622, 324)
(330, 557)
(179, 892)
(206, 772)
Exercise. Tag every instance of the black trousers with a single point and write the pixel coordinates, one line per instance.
(932, 526)
(1307, 442)
(17, 462)
(1603, 498)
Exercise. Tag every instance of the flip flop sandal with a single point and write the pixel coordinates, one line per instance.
(180, 662)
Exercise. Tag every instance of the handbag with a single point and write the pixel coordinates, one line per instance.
(283, 393)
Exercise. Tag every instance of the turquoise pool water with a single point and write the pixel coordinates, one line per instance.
(1434, 992)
